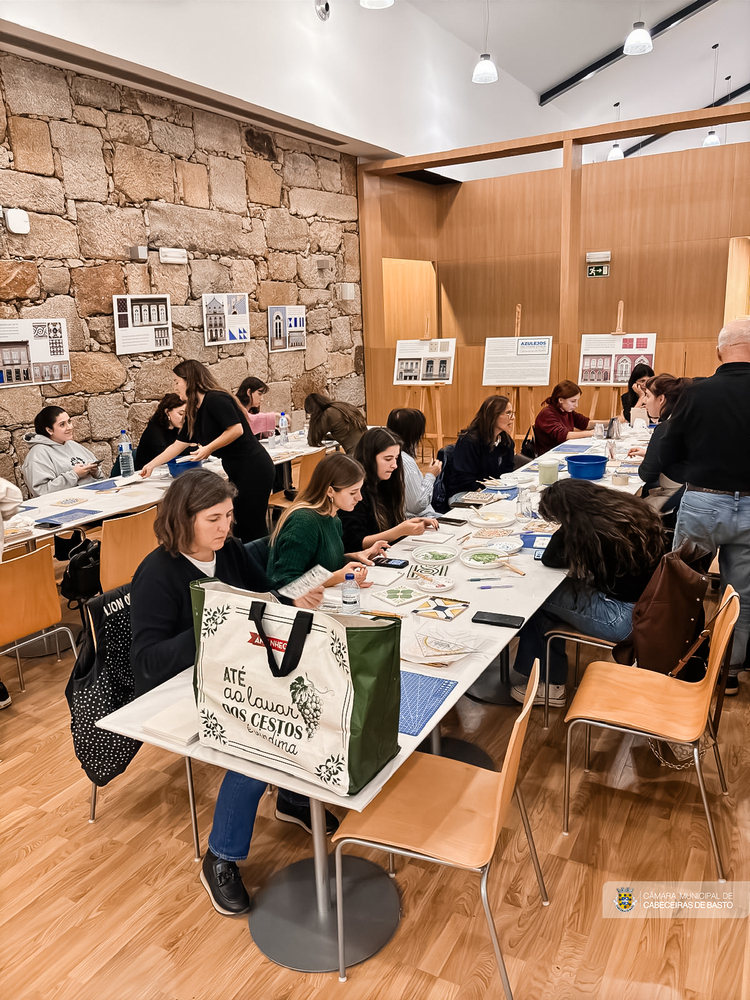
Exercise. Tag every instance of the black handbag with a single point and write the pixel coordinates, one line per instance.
(81, 578)
(528, 448)
(65, 545)
(102, 681)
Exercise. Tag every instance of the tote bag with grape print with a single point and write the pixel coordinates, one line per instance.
(311, 695)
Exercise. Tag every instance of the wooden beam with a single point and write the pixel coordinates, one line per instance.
(611, 132)
(371, 256)
(570, 243)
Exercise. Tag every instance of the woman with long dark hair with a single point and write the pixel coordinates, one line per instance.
(660, 396)
(331, 418)
(379, 515)
(559, 420)
(484, 449)
(249, 394)
(636, 388)
(215, 424)
(309, 533)
(610, 543)
(409, 425)
(162, 429)
(55, 461)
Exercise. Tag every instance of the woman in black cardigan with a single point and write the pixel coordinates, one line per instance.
(162, 429)
(193, 528)
(484, 450)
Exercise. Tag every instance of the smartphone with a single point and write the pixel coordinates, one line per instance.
(452, 520)
(390, 563)
(490, 618)
(49, 524)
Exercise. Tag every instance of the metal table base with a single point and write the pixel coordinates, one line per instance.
(493, 686)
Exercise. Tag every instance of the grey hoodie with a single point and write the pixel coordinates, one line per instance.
(49, 465)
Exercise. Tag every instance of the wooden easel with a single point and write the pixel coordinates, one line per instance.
(425, 394)
(515, 391)
(614, 400)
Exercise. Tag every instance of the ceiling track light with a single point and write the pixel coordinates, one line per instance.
(375, 4)
(322, 9)
(616, 152)
(712, 138)
(638, 42)
(485, 70)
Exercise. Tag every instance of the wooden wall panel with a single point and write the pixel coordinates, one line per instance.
(737, 299)
(409, 218)
(739, 224)
(409, 300)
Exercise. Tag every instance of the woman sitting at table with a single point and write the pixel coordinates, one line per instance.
(633, 398)
(215, 424)
(559, 420)
(409, 425)
(250, 394)
(610, 543)
(55, 461)
(333, 419)
(484, 450)
(310, 533)
(193, 528)
(663, 483)
(161, 430)
(379, 515)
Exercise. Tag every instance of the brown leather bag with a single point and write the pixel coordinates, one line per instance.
(669, 614)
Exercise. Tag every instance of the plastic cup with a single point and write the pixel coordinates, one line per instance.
(548, 469)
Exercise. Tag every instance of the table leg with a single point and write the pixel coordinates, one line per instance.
(320, 856)
(449, 746)
(493, 686)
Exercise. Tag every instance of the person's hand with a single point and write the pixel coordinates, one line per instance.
(430, 522)
(89, 469)
(147, 469)
(377, 549)
(435, 468)
(200, 453)
(412, 526)
(360, 575)
(639, 389)
(310, 600)
(636, 452)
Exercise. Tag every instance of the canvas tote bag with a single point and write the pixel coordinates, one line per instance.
(311, 695)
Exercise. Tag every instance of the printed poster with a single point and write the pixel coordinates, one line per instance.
(225, 318)
(424, 362)
(608, 359)
(517, 360)
(143, 323)
(33, 351)
(287, 328)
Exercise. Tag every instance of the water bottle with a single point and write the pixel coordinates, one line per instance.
(284, 428)
(125, 452)
(350, 595)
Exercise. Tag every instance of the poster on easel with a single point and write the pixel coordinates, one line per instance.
(608, 359)
(517, 361)
(33, 351)
(225, 318)
(143, 323)
(424, 362)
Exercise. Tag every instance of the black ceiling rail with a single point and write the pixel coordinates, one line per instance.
(616, 54)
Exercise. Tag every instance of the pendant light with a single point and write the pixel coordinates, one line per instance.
(375, 4)
(712, 138)
(485, 70)
(616, 152)
(638, 42)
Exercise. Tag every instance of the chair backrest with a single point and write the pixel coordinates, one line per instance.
(126, 541)
(29, 600)
(18, 550)
(723, 626)
(509, 773)
(307, 467)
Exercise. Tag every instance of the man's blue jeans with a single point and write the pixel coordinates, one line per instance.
(586, 610)
(716, 521)
(234, 814)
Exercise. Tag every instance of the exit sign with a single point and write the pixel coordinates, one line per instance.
(597, 270)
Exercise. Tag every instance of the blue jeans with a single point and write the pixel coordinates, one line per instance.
(713, 521)
(234, 814)
(587, 611)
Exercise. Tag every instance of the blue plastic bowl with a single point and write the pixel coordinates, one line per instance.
(587, 466)
(177, 468)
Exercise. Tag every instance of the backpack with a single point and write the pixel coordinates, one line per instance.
(440, 498)
(81, 578)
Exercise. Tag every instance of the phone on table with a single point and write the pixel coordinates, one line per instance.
(390, 563)
(49, 524)
(491, 618)
(452, 520)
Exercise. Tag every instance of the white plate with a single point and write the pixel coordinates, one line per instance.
(490, 519)
(423, 554)
(487, 558)
(506, 545)
(435, 585)
(517, 478)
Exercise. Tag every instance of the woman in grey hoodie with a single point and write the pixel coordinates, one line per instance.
(55, 461)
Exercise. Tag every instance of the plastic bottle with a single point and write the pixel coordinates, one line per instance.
(284, 428)
(125, 452)
(350, 595)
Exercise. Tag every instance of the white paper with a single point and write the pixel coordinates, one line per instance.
(178, 722)
(517, 360)
(143, 323)
(425, 362)
(314, 577)
(608, 359)
(33, 351)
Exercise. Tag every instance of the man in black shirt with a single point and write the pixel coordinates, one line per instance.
(709, 431)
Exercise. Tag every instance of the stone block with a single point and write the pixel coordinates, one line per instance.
(82, 429)
(137, 279)
(349, 390)
(93, 372)
(310, 381)
(207, 232)
(107, 232)
(32, 149)
(19, 405)
(90, 116)
(243, 276)
(286, 364)
(216, 134)
(192, 184)
(102, 329)
(258, 326)
(34, 89)
(155, 378)
(153, 106)
(139, 415)
(49, 237)
(227, 184)
(340, 365)
(308, 203)
(276, 293)
(188, 317)
(173, 138)
(325, 236)
(80, 149)
(282, 266)
(191, 344)
(348, 174)
(318, 321)
(61, 307)
(256, 355)
(107, 416)
(278, 397)
(131, 129)
(341, 333)
(183, 116)
(314, 296)
(230, 372)
(55, 279)
(18, 280)
(259, 143)
(74, 405)
(329, 172)
(263, 182)
(142, 175)
(105, 451)
(96, 93)
(31, 192)
(351, 257)
(94, 287)
(317, 351)
(283, 232)
(208, 276)
(299, 171)
(359, 360)
(169, 279)
(314, 276)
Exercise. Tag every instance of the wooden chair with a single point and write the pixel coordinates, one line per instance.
(656, 706)
(306, 468)
(30, 603)
(126, 541)
(442, 810)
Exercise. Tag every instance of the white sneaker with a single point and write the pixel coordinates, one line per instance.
(557, 694)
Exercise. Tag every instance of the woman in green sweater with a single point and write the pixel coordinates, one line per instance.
(309, 533)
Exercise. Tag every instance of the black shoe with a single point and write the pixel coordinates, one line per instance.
(300, 815)
(223, 883)
(733, 686)
(5, 698)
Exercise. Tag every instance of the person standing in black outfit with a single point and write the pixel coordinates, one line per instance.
(215, 425)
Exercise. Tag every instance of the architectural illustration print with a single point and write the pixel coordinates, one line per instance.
(424, 362)
(33, 351)
(225, 318)
(143, 323)
(287, 328)
(608, 359)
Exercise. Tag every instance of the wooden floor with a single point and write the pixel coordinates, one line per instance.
(114, 910)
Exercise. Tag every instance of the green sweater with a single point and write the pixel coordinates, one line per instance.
(306, 539)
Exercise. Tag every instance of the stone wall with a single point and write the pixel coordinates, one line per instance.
(100, 168)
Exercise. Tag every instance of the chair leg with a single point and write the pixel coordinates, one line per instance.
(92, 806)
(719, 765)
(20, 670)
(566, 797)
(340, 913)
(545, 723)
(532, 846)
(709, 820)
(493, 932)
(587, 750)
(391, 865)
(193, 814)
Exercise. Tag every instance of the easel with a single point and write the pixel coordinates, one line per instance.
(515, 391)
(614, 403)
(425, 394)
